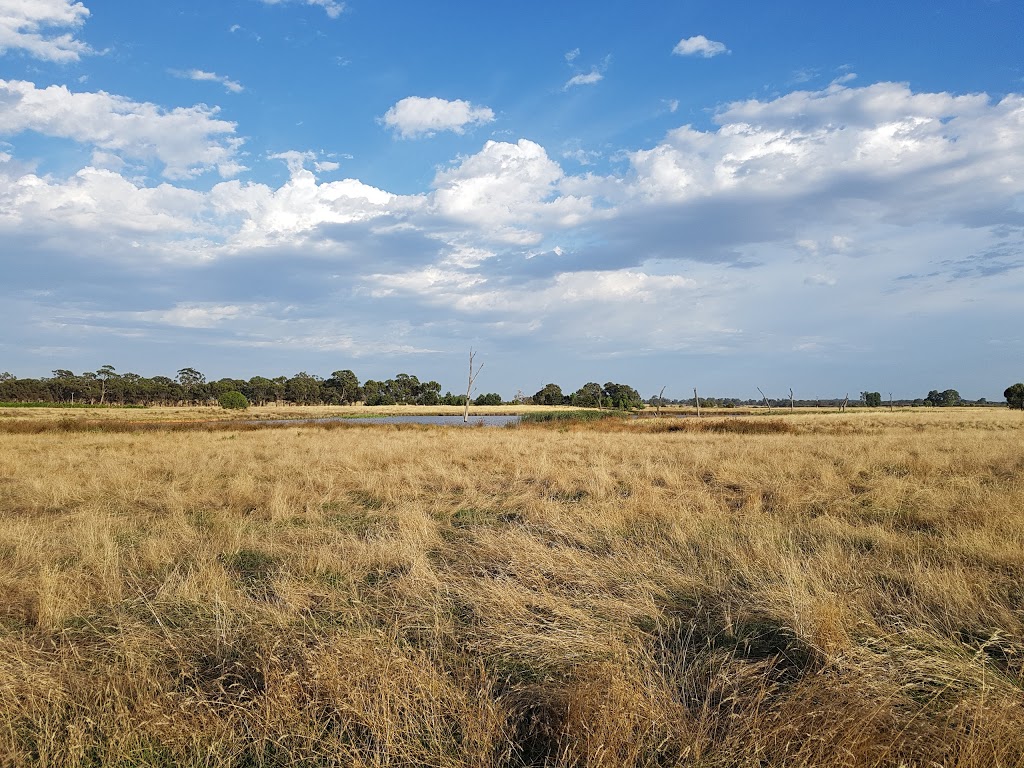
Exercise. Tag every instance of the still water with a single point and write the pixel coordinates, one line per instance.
(451, 421)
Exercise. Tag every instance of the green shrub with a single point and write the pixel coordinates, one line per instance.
(233, 400)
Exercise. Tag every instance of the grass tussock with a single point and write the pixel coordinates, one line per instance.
(810, 591)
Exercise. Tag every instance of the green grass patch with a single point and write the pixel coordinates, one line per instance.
(470, 517)
(547, 417)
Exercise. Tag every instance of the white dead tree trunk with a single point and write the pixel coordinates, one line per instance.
(769, 405)
(660, 398)
(696, 401)
(469, 387)
(792, 405)
(846, 401)
(890, 402)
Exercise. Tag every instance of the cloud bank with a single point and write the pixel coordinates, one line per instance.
(702, 242)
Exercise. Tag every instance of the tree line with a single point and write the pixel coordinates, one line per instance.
(935, 398)
(106, 386)
(191, 387)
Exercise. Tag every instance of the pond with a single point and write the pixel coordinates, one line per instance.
(450, 421)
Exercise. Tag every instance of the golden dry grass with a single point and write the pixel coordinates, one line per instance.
(818, 590)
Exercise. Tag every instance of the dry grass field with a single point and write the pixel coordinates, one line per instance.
(805, 590)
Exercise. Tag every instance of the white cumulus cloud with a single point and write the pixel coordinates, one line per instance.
(843, 137)
(187, 141)
(417, 116)
(200, 75)
(289, 213)
(505, 190)
(590, 78)
(33, 26)
(333, 8)
(698, 45)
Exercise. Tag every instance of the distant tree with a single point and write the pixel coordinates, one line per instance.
(590, 395)
(429, 393)
(872, 399)
(131, 387)
(259, 390)
(64, 385)
(1014, 395)
(450, 399)
(622, 396)
(491, 398)
(280, 384)
(233, 400)
(371, 392)
(192, 383)
(219, 387)
(5, 376)
(403, 388)
(164, 390)
(944, 399)
(303, 389)
(103, 375)
(550, 394)
(343, 386)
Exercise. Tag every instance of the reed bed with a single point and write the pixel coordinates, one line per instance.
(819, 590)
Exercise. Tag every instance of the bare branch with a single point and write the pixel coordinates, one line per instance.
(472, 379)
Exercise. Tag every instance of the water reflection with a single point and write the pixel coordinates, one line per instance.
(450, 421)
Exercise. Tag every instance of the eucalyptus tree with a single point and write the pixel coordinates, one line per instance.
(105, 374)
(192, 383)
(343, 386)
(1014, 395)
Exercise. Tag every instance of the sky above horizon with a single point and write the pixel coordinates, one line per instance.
(691, 194)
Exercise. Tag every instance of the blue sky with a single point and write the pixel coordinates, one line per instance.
(720, 195)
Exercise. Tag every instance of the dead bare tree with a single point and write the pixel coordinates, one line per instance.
(660, 401)
(846, 401)
(890, 402)
(469, 387)
(765, 400)
(792, 405)
(696, 401)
